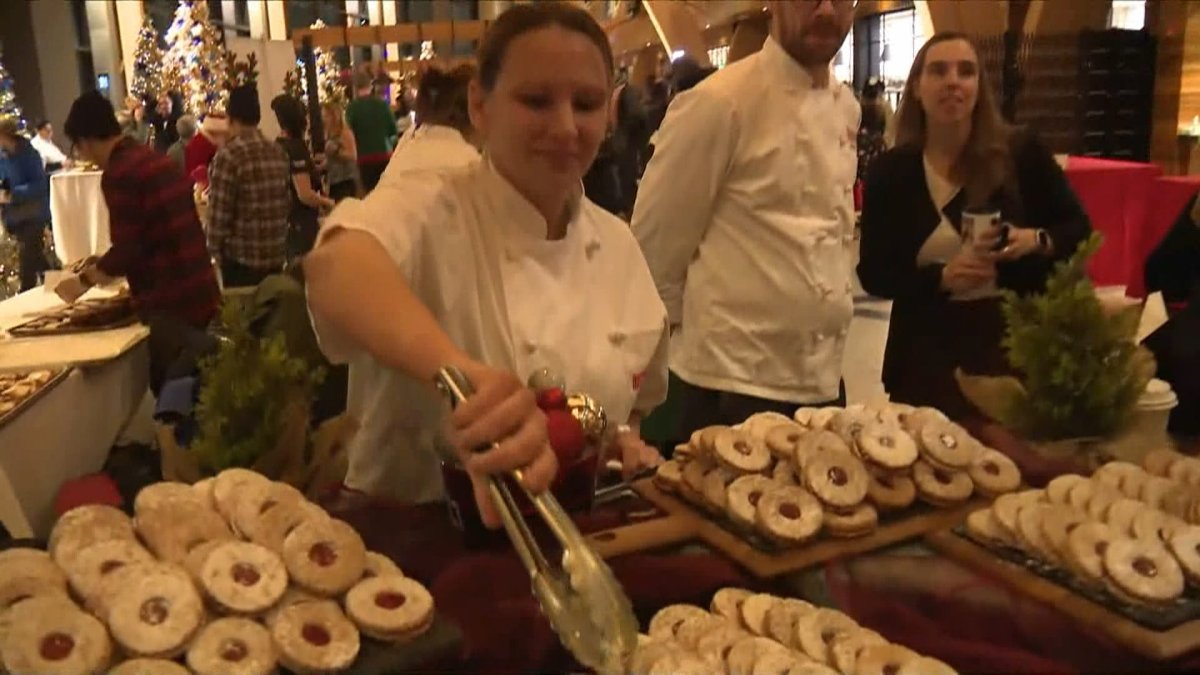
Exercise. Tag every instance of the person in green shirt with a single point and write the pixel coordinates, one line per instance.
(374, 129)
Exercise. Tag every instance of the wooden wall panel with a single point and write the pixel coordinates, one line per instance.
(1176, 23)
(977, 17)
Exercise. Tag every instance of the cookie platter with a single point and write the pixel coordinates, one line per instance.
(1115, 551)
(235, 574)
(19, 390)
(760, 633)
(780, 494)
(81, 317)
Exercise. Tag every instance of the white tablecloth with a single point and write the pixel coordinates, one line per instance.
(68, 432)
(79, 215)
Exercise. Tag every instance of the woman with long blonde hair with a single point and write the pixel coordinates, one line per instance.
(341, 153)
(956, 155)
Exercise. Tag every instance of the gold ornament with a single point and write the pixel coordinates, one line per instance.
(590, 415)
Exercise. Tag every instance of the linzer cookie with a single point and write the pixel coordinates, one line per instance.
(325, 557)
(727, 602)
(391, 608)
(154, 612)
(816, 630)
(172, 529)
(816, 443)
(715, 487)
(230, 484)
(243, 578)
(1144, 570)
(947, 446)
(50, 634)
(232, 646)
(378, 565)
(88, 569)
(781, 620)
(837, 479)
(994, 474)
(86, 525)
(754, 612)
(315, 637)
(278, 522)
(668, 476)
(740, 453)
(256, 499)
(156, 494)
(789, 515)
(854, 521)
(891, 493)
(149, 667)
(940, 487)
(885, 446)
(782, 439)
(745, 652)
(743, 496)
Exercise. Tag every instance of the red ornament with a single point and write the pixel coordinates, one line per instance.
(566, 436)
(552, 399)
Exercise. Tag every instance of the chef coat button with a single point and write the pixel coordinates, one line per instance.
(591, 248)
(819, 337)
(616, 337)
(843, 333)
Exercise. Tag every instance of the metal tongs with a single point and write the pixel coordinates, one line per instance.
(585, 604)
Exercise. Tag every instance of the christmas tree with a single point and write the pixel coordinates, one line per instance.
(195, 59)
(8, 99)
(147, 63)
(10, 281)
(329, 81)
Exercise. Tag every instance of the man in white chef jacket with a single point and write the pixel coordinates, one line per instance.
(746, 218)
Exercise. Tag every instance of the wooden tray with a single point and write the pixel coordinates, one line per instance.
(29, 400)
(772, 563)
(1157, 645)
(25, 330)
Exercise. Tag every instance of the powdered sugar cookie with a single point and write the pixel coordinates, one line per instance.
(391, 608)
(1121, 514)
(692, 487)
(87, 570)
(707, 438)
(155, 612)
(1103, 497)
(1185, 470)
(149, 667)
(693, 628)
(745, 652)
(243, 578)
(1058, 489)
(837, 479)
(1143, 569)
(293, 596)
(668, 619)
(255, 499)
(890, 492)
(994, 474)
(49, 634)
(781, 620)
(1058, 523)
(784, 473)
(884, 659)
(849, 423)
(925, 666)
(315, 637)
(86, 525)
(740, 453)
(1155, 525)
(273, 528)
(916, 419)
(743, 495)
(232, 646)
(1158, 462)
(845, 648)
(1154, 489)
(378, 565)
(947, 446)
(886, 446)
(1031, 533)
(231, 484)
(754, 612)
(174, 528)
(816, 443)
(982, 527)
(782, 439)
(789, 515)
(1086, 546)
(727, 603)
(939, 487)
(803, 417)
(715, 489)
(822, 417)
(156, 494)
(856, 521)
(1185, 546)
(668, 476)
(325, 557)
(816, 630)
(784, 662)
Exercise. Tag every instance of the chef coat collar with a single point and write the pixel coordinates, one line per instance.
(788, 74)
(525, 218)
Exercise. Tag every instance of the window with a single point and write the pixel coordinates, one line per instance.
(1127, 14)
(843, 62)
(719, 56)
(902, 37)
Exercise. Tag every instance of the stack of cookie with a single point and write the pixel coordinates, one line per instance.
(15, 388)
(760, 633)
(1178, 491)
(1109, 531)
(236, 574)
(832, 469)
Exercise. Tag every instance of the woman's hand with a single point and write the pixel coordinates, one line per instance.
(502, 410)
(636, 454)
(1022, 241)
(967, 271)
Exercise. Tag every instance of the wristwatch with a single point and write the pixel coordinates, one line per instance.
(1043, 241)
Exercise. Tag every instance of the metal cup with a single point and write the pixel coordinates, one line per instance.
(977, 223)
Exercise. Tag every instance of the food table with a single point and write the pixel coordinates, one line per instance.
(79, 216)
(1117, 198)
(69, 430)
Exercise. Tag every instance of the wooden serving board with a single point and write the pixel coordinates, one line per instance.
(764, 564)
(29, 400)
(659, 532)
(31, 329)
(1157, 645)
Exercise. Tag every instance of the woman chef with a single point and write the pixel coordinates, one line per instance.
(501, 269)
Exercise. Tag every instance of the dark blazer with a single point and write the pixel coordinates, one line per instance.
(930, 335)
(1174, 266)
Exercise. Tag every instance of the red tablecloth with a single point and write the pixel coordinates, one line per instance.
(1168, 197)
(1116, 196)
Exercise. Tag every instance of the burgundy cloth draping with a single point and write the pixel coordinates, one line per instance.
(1116, 197)
(1169, 196)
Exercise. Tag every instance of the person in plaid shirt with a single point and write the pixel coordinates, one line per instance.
(249, 198)
(157, 240)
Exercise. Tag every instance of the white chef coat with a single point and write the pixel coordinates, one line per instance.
(746, 217)
(48, 150)
(475, 252)
(428, 147)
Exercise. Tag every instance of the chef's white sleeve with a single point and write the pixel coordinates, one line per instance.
(654, 384)
(692, 155)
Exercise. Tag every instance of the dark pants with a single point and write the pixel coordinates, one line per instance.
(235, 275)
(701, 407)
(31, 254)
(371, 173)
(176, 348)
(343, 190)
(301, 237)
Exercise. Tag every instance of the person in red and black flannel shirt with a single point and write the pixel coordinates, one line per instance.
(158, 244)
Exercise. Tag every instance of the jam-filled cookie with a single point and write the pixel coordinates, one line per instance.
(256, 499)
(667, 620)
(1103, 497)
(850, 422)
(885, 446)
(390, 608)
(204, 491)
(87, 570)
(925, 665)
(1155, 525)
(1154, 490)
(940, 487)
(1144, 570)
(837, 479)
(325, 557)
(49, 634)
(743, 496)
(715, 489)
(845, 648)
(154, 611)
(378, 565)
(740, 453)
(315, 637)
(803, 417)
(947, 446)
(173, 529)
(232, 646)
(785, 662)
(789, 515)
(243, 578)
(817, 443)
(716, 645)
(782, 439)
(1122, 513)
(816, 630)
(293, 596)
(274, 526)
(822, 417)
(915, 420)
(1086, 546)
(994, 474)
(668, 476)
(706, 438)
(890, 492)
(83, 526)
(982, 527)
(229, 485)
(855, 521)
(692, 629)
(1185, 546)
(781, 620)
(156, 494)
(754, 612)
(1058, 490)
(784, 473)
(745, 652)
(1008, 506)
(1032, 535)
(1058, 523)
(149, 667)
(727, 603)
(26, 573)
(884, 659)
(1158, 462)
